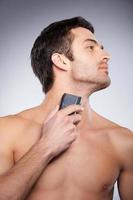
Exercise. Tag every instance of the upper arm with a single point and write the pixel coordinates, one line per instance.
(6, 152)
(125, 185)
(13, 140)
(125, 181)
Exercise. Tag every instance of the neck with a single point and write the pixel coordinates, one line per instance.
(53, 98)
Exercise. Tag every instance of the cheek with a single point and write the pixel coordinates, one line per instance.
(86, 60)
(84, 65)
(83, 71)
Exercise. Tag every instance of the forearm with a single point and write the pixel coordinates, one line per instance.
(17, 183)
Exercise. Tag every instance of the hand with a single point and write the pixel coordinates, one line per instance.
(59, 129)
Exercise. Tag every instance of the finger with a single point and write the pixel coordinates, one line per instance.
(72, 109)
(52, 113)
(75, 118)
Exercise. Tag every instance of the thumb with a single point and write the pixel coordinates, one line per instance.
(51, 114)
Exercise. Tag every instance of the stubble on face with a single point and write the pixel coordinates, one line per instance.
(86, 66)
(96, 81)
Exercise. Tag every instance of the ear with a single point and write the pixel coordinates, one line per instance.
(60, 61)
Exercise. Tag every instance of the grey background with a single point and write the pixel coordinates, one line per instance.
(22, 21)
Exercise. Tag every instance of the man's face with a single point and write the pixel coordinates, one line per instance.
(90, 59)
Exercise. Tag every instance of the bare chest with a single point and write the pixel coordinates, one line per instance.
(87, 165)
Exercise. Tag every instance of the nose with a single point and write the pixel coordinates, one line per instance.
(106, 56)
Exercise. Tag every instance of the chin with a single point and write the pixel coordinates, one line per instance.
(103, 84)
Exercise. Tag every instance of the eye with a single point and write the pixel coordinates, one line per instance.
(102, 47)
(90, 47)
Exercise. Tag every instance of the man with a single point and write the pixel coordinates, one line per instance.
(45, 153)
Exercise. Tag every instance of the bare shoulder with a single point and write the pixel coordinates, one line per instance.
(10, 127)
(121, 136)
(18, 133)
(13, 126)
(122, 140)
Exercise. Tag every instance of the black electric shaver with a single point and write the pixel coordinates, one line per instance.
(69, 99)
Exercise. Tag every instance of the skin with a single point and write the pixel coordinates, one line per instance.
(61, 156)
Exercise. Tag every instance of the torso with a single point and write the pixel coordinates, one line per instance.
(88, 170)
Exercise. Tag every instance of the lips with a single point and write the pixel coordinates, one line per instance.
(104, 67)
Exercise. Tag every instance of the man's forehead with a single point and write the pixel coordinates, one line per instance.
(83, 33)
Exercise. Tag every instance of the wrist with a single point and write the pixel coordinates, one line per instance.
(46, 149)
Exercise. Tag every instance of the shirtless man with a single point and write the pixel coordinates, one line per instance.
(47, 154)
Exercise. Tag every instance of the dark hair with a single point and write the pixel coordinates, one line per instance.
(57, 37)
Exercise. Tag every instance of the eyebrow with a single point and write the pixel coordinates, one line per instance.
(94, 41)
